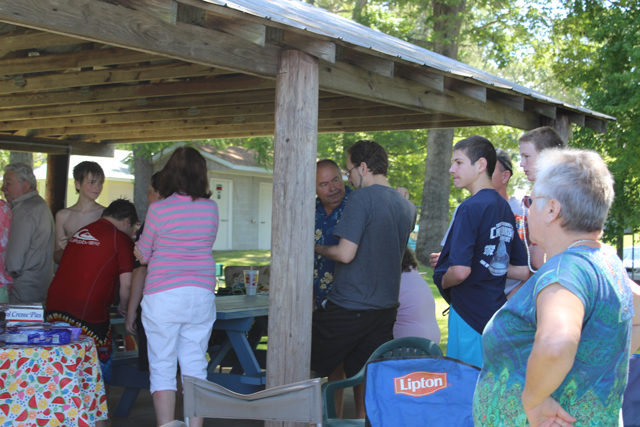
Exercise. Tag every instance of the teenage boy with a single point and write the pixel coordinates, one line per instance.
(89, 179)
(481, 246)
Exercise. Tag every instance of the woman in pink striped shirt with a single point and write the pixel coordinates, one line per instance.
(178, 307)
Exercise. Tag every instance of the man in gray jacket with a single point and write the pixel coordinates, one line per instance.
(29, 258)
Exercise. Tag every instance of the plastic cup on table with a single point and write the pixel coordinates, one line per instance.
(251, 281)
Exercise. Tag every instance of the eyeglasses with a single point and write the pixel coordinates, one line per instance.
(527, 201)
(349, 171)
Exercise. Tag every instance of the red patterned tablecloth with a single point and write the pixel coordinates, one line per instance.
(51, 386)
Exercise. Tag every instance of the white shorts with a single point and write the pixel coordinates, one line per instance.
(178, 323)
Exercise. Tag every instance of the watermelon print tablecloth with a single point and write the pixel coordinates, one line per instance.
(51, 386)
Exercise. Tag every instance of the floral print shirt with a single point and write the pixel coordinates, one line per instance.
(592, 390)
(323, 267)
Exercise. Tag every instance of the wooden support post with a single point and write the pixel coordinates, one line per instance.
(56, 189)
(561, 124)
(294, 178)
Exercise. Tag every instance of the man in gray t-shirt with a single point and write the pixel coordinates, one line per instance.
(374, 231)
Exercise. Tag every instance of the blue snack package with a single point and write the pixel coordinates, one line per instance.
(38, 337)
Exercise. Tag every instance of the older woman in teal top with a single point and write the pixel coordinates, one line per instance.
(557, 353)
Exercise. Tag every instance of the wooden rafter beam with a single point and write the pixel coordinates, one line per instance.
(513, 101)
(120, 26)
(381, 66)
(469, 89)
(164, 10)
(541, 108)
(52, 146)
(65, 61)
(110, 76)
(423, 77)
(349, 80)
(140, 92)
(30, 39)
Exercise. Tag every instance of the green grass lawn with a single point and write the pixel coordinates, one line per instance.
(257, 257)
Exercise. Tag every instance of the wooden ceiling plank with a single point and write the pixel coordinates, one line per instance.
(143, 91)
(352, 81)
(380, 66)
(351, 109)
(157, 125)
(515, 102)
(186, 133)
(404, 126)
(115, 25)
(250, 31)
(110, 76)
(32, 39)
(160, 103)
(318, 48)
(545, 110)
(466, 88)
(164, 10)
(65, 61)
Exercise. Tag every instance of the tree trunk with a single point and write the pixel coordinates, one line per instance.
(434, 215)
(19, 156)
(142, 171)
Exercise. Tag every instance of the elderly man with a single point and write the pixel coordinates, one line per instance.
(332, 197)
(360, 311)
(29, 258)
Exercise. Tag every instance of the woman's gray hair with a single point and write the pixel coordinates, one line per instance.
(581, 182)
(23, 172)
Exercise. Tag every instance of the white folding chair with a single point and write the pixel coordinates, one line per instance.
(297, 402)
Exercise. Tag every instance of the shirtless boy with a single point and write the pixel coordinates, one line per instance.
(89, 178)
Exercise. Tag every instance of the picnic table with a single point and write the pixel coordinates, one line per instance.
(235, 315)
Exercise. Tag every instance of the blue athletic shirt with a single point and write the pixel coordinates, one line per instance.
(592, 390)
(482, 237)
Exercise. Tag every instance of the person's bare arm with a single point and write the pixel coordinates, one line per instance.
(137, 287)
(61, 238)
(343, 252)
(635, 332)
(537, 256)
(125, 292)
(518, 272)
(455, 275)
(560, 315)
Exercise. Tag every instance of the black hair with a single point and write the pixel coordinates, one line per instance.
(121, 209)
(155, 180)
(371, 153)
(328, 162)
(477, 147)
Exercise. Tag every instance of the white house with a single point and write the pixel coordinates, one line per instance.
(243, 190)
(118, 178)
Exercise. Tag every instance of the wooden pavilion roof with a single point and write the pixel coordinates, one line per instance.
(87, 74)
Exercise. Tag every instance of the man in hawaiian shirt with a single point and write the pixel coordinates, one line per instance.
(332, 195)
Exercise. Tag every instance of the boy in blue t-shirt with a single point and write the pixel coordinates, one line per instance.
(478, 251)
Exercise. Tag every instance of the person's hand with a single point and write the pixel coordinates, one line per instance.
(433, 259)
(138, 255)
(549, 413)
(130, 322)
(62, 243)
(122, 310)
